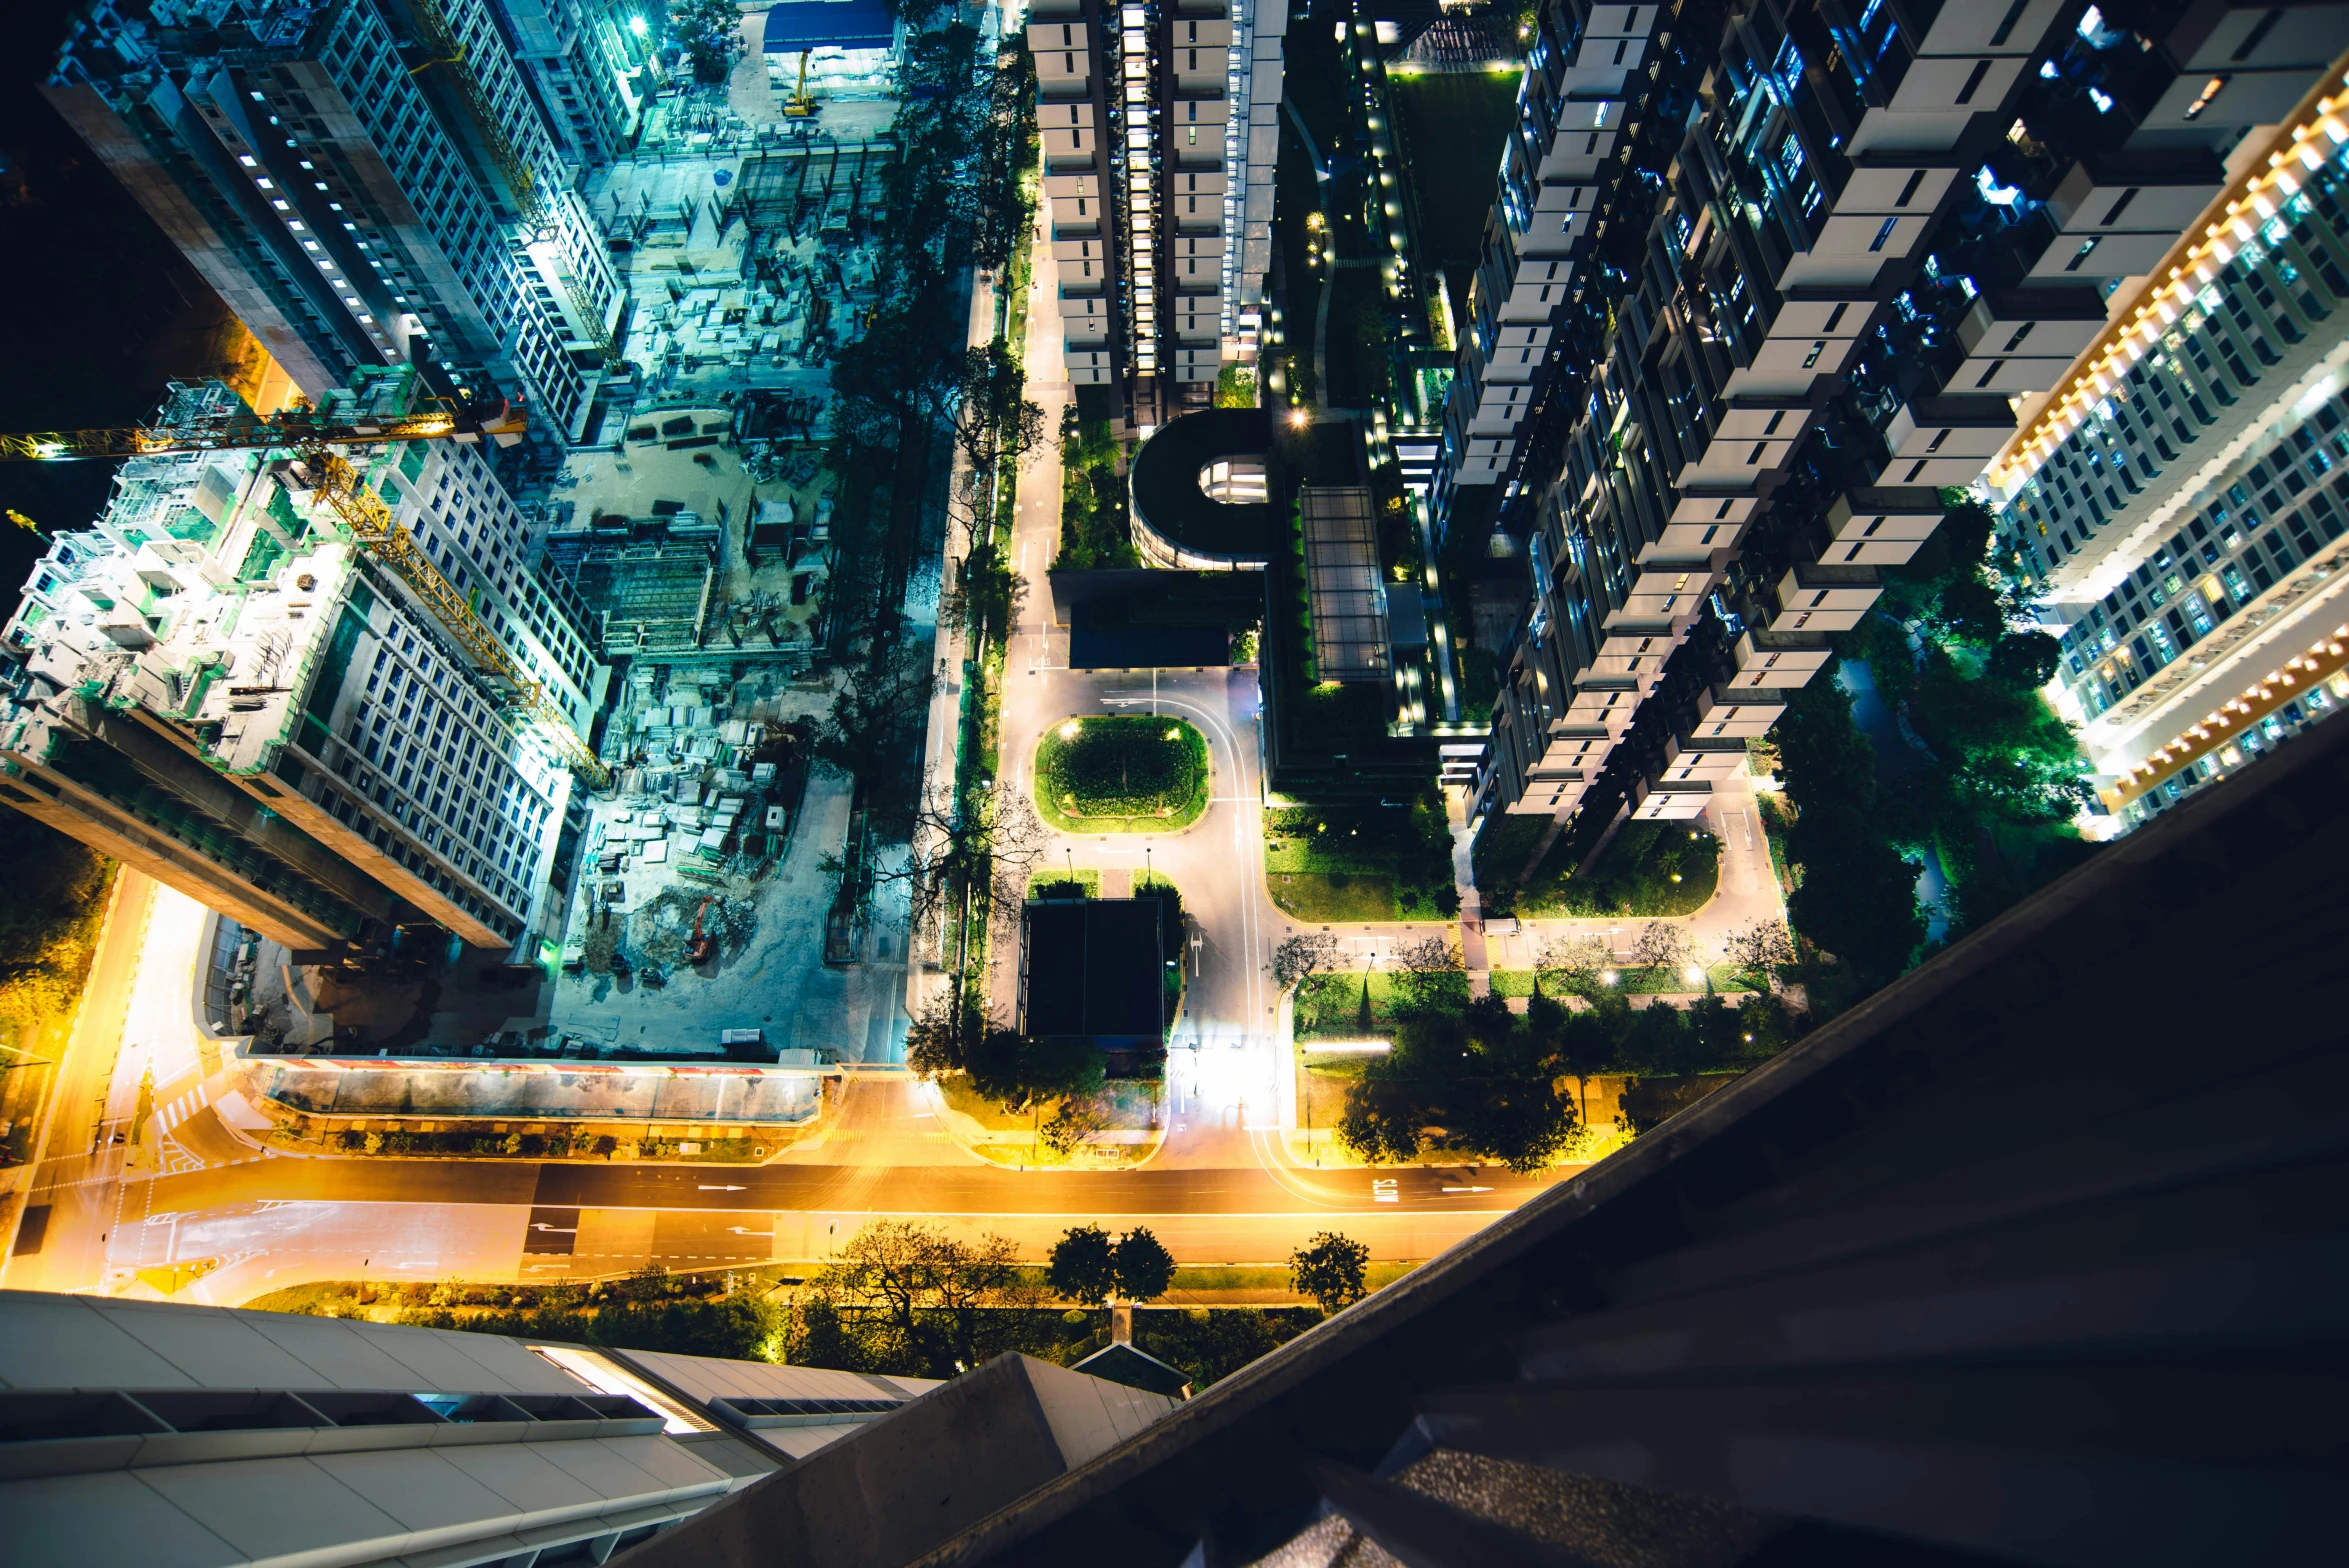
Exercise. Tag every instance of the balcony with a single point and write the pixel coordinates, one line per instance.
(1784, 663)
(1824, 598)
(1945, 441)
(1726, 713)
(1880, 527)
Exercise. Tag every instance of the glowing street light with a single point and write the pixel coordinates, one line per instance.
(636, 26)
(1069, 730)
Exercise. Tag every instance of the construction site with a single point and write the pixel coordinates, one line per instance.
(517, 754)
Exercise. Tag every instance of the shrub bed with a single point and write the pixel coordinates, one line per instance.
(1121, 774)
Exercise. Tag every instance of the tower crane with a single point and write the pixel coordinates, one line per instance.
(322, 473)
(242, 429)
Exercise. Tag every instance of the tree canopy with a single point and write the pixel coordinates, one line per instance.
(1330, 1269)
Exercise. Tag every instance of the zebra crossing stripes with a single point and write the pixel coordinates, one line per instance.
(181, 1109)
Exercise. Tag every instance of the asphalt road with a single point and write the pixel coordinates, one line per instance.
(941, 1190)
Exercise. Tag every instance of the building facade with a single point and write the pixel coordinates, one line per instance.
(2178, 499)
(214, 683)
(1844, 251)
(358, 195)
(588, 63)
(1159, 132)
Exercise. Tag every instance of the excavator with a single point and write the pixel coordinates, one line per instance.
(321, 472)
(700, 949)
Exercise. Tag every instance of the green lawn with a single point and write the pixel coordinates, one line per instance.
(1634, 981)
(1103, 773)
(1345, 863)
(1648, 869)
(1057, 878)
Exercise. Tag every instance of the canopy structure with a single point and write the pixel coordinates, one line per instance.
(793, 25)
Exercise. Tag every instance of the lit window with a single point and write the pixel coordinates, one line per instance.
(265, 183)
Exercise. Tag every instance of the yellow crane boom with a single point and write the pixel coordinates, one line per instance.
(372, 524)
(245, 430)
(361, 510)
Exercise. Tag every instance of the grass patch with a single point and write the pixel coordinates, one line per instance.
(1359, 370)
(1121, 774)
(1341, 895)
(1635, 981)
(1648, 869)
(1332, 863)
(1057, 882)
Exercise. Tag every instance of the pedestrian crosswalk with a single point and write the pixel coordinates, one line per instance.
(179, 1110)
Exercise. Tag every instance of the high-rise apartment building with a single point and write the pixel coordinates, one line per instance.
(363, 184)
(2178, 496)
(589, 64)
(1559, 169)
(1159, 127)
(1843, 248)
(217, 684)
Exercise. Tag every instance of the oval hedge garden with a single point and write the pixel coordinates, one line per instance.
(1121, 773)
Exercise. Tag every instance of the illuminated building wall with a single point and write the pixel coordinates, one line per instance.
(351, 210)
(1848, 251)
(1159, 133)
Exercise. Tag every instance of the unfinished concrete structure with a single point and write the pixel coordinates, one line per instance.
(351, 210)
(215, 684)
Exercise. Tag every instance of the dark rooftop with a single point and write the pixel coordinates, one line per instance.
(1123, 1363)
(1166, 488)
(1090, 968)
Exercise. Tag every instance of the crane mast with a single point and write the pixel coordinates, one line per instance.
(332, 480)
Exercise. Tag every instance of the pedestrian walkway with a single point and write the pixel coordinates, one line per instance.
(179, 1110)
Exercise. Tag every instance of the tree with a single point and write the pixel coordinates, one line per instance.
(710, 32)
(1658, 1041)
(2026, 660)
(1018, 1072)
(1329, 1268)
(1075, 1120)
(1430, 978)
(1144, 1267)
(987, 846)
(1575, 964)
(1381, 1120)
(866, 734)
(1969, 610)
(943, 1039)
(1512, 1110)
(1307, 953)
(1083, 1266)
(1589, 1041)
(927, 1288)
(1858, 897)
(994, 423)
(1762, 949)
(1662, 946)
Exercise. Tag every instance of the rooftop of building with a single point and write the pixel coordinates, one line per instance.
(1169, 495)
(1091, 968)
